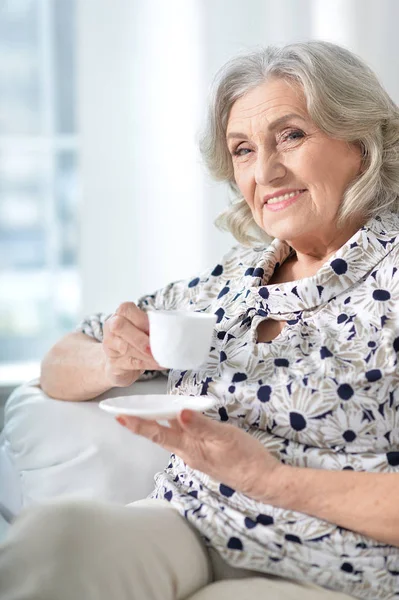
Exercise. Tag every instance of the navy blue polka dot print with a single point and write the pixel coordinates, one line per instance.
(393, 458)
(373, 375)
(265, 519)
(223, 414)
(225, 490)
(220, 314)
(249, 523)
(264, 293)
(293, 538)
(194, 282)
(258, 272)
(298, 421)
(345, 391)
(264, 393)
(349, 436)
(235, 543)
(339, 265)
(218, 270)
(237, 377)
(325, 353)
(381, 295)
(281, 362)
(223, 292)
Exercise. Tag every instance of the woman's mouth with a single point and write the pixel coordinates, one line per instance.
(283, 200)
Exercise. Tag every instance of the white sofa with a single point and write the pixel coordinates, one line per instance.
(51, 448)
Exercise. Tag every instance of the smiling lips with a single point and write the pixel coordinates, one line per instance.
(282, 199)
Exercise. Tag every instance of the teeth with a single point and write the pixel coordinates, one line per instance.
(283, 197)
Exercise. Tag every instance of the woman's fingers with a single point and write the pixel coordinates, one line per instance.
(126, 344)
(147, 364)
(120, 347)
(133, 314)
(127, 358)
(115, 346)
(174, 424)
(123, 328)
(167, 437)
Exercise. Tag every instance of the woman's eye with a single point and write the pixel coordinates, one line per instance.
(240, 151)
(292, 136)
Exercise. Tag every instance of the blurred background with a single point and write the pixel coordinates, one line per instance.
(103, 196)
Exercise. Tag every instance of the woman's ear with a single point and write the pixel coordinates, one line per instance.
(363, 155)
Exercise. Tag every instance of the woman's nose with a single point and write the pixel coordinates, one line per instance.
(268, 168)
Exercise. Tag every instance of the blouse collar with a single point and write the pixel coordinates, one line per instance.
(352, 262)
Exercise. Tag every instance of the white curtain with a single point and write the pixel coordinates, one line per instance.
(147, 206)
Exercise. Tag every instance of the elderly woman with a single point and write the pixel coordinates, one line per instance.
(292, 479)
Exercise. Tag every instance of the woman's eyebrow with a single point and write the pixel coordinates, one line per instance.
(272, 126)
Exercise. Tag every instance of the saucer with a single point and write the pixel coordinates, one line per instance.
(154, 407)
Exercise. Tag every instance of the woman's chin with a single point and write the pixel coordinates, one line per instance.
(283, 228)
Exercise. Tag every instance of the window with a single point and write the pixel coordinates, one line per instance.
(39, 286)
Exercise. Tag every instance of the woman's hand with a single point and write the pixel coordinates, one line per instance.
(224, 452)
(126, 346)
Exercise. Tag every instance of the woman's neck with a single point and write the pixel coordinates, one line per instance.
(313, 252)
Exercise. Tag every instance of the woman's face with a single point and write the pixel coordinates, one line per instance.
(291, 174)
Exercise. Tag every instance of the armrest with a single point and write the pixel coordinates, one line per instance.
(59, 448)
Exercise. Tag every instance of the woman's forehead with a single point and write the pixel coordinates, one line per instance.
(268, 101)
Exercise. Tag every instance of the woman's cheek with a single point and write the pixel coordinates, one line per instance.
(246, 186)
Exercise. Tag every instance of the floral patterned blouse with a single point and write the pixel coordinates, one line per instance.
(323, 394)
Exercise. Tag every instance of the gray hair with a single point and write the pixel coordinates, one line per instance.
(344, 99)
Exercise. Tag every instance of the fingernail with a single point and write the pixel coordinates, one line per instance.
(121, 421)
(185, 416)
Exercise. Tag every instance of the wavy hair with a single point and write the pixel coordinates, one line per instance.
(344, 99)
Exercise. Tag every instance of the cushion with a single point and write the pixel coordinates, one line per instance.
(53, 448)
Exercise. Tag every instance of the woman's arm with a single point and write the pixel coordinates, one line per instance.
(80, 367)
(74, 369)
(363, 502)
(367, 503)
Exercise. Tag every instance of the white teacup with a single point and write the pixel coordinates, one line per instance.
(180, 339)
